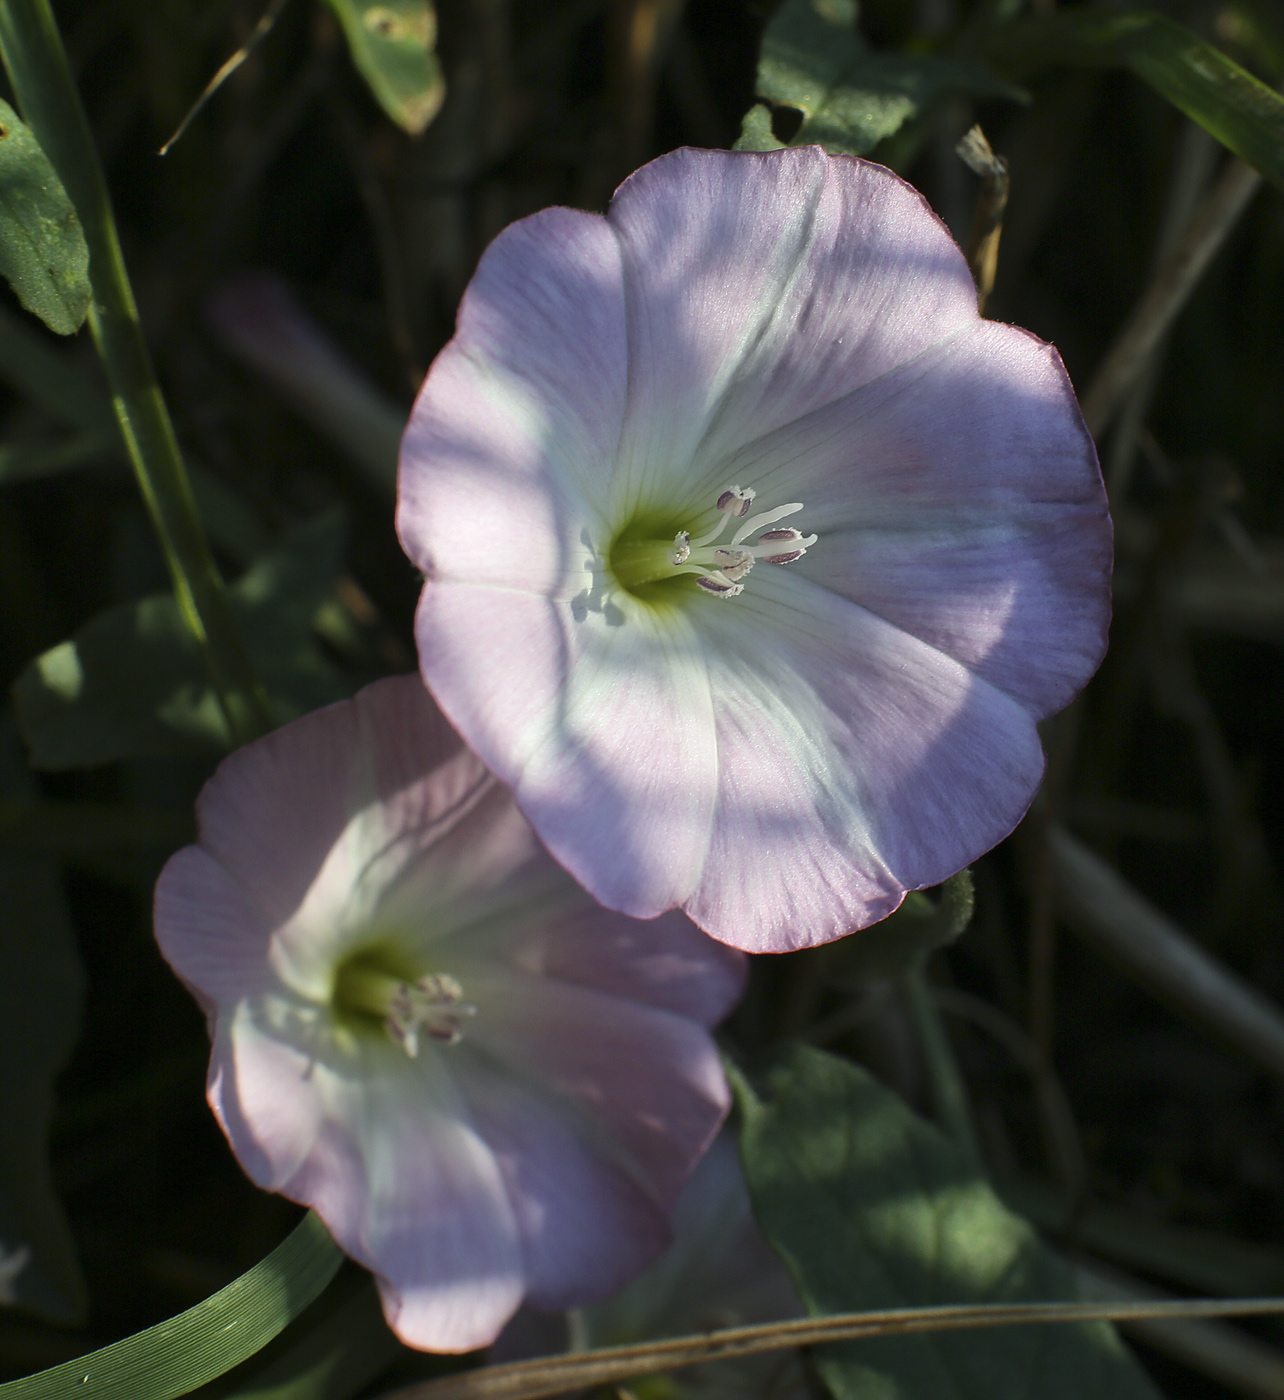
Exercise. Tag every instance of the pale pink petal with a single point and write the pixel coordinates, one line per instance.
(587, 1226)
(759, 287)
(211, 933)
(665, 962)
(297, 790)
(347, 800)
(855, 762)
(387, 1156)
(652, 1080)
(508, 450)
(259, 1088)
(959, 498)
(605, 736)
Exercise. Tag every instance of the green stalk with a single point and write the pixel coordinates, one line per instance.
(945, 1083)
(37, 65)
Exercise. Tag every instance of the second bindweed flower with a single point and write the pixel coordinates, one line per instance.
(489, 1088)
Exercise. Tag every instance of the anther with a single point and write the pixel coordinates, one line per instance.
(433, 1005)
(736, 500)
(719, 585)
(774, 539)
(733, 563)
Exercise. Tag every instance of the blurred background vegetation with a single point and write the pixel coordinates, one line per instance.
(298, 257)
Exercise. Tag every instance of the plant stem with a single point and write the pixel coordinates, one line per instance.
(37, 65)
(949, 1095)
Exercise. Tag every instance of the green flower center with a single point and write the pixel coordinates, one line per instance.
(377, 991)
(648, 563)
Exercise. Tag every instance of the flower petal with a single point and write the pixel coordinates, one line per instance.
(651, 1080)
(259, 1091)
(607, 741)
(665, 962)
(761, 286)
(855, 762)
(959, 498)
(388, 1158)
(586, 1225)
(510, 442)
(319, 820)
(210, 931)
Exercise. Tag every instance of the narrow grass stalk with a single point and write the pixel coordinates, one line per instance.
(1168, 292)
(37, 66)
(1098, 904)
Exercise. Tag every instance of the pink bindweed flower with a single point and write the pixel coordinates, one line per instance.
(488, 1087)
(752, 553)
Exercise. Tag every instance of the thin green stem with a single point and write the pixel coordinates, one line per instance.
(949, 1094)
(37, 65)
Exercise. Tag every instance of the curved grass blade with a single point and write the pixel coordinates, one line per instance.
(183, 1352)
(1245, 115)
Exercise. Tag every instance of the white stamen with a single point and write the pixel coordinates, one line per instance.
(434, 1005)
(711, 535)
(719, 570)
(769, 547)
(766, 517)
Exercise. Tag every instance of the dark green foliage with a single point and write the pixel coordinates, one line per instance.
(815, 62)
(873, 1208)
(41, 990)
(130, 683)
(1231, 104)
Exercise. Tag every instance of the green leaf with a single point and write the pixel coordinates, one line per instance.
(41, 990)
(1245, 115)
(814, 60)
(755, 131)
(871, 1208)
(393, 45)
(206, 1341)
(130, 683)
(42, 246)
